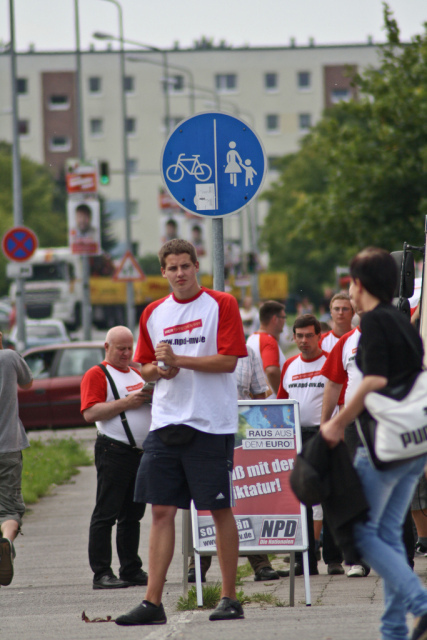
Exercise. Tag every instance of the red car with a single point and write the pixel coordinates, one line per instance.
(54, 398)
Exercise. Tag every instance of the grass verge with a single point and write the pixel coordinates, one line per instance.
(243, 571)
(50, 463)
(212, 595)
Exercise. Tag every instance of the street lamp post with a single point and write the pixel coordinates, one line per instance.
(86, 307)
(130, 299)
(17, 179)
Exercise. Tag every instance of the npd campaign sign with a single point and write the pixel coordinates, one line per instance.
(269, 517)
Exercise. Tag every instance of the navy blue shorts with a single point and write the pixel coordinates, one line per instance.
(200, 470)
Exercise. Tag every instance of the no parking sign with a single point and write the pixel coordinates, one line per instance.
(19, 244)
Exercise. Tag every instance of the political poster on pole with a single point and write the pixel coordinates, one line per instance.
(84, 229)
(269, 517)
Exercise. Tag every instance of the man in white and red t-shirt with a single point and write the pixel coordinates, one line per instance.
(265, 342)
(342, 313)
(116, 460)
(342, 375)
(302, 380)
(189, 343)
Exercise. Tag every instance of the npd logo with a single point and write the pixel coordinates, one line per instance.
(276, 531)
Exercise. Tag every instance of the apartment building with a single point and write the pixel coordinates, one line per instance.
(280, 92)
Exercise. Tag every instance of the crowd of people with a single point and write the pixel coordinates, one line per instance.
(166, 416)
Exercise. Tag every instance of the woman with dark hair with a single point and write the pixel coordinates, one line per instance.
(390, 353)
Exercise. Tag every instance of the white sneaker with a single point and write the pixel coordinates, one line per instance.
(356, 571)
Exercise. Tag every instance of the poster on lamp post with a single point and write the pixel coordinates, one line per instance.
(84, 228)
(269, 517)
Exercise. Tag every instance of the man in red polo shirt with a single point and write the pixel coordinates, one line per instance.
(265, 342)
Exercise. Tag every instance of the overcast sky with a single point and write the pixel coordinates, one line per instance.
(49, 24)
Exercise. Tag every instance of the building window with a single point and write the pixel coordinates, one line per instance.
(272, 122)
(304, 121)
(271, 81)
(59, 102)
(60, 143)
(176, 84)
(96, 127)
(273, 163)
(22, 86)
(304, 80)
(24, 127)
(340, 95)
(130, 126)
(226, 82)
(129, 84)
(95, 84)
(173, 122)
(132, 166)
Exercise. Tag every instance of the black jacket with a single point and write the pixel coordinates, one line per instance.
(327, 476)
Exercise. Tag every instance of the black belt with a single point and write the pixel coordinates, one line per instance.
(122, 445)
(314, 429)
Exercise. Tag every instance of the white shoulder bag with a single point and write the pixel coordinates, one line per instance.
(401, 430)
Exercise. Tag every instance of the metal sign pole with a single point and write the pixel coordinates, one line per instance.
(218, 253)
(87, 309)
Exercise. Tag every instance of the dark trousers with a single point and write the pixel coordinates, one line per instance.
(116, 466)
(331, 552)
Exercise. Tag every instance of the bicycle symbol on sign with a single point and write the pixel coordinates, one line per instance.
(201, 171)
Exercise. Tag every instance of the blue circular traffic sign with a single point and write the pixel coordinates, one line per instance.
(19, 244)
(213, 164)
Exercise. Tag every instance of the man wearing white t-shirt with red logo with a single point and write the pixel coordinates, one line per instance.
(189, 343)
(342, 313)
(342, 375)
(117, 460)
(302, 380)
(343, 378)
(265, 342)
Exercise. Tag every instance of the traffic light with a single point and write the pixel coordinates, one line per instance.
(252, 262)
(104, 173)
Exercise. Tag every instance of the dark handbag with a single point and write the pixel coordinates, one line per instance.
(310, 468)
(174, 434)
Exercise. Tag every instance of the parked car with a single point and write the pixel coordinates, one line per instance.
(40, 332)
(5, 311)
(54, 398)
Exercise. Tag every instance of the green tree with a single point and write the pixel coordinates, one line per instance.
(43, 211)
(360, 177)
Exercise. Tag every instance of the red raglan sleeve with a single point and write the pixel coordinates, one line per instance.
(333, 368)
(231, 339)
(269, 349)
(93, 388)
(282, 394)
(144, 352)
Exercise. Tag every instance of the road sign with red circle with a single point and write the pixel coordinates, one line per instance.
(19, 244)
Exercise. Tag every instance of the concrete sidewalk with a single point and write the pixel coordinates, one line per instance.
(53, 586)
